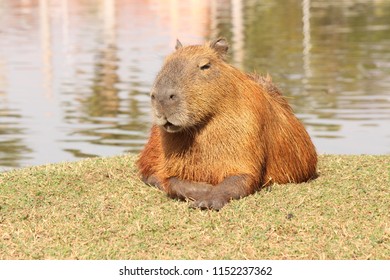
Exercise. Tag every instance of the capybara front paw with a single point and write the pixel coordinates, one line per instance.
(153, 181)
(188, 190)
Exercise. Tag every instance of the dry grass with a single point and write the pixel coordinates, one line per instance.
(98, 209)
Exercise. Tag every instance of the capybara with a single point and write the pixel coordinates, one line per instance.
(219, 133)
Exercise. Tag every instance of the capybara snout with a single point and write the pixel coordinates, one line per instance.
(168, 110)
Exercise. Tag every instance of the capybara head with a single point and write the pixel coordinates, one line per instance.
(184, 92)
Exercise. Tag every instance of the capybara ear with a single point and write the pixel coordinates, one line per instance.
(220, 45)
(178, 44)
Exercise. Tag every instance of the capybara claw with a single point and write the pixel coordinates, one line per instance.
(213, 204)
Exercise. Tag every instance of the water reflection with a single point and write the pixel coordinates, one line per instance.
(332, 88)
(108, 104)
(75, 75)
(13, 146)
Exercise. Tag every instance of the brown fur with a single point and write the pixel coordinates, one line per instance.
(221, 134)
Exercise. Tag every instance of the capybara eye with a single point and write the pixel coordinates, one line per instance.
(204, 64)
(204, 67)
(152, 96)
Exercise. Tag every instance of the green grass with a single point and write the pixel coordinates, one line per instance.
(99, 209)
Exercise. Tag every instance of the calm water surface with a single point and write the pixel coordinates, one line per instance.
(75, 75)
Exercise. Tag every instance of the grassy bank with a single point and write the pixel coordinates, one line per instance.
(98, 209)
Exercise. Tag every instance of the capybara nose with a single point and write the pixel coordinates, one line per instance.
(165, 99)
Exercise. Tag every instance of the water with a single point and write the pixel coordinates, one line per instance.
(75, 75)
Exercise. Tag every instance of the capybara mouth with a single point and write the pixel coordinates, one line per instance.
(170, 127)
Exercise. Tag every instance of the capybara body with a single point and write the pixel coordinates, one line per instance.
(220, 134)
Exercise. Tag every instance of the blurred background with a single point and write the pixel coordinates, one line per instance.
(75, 74)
